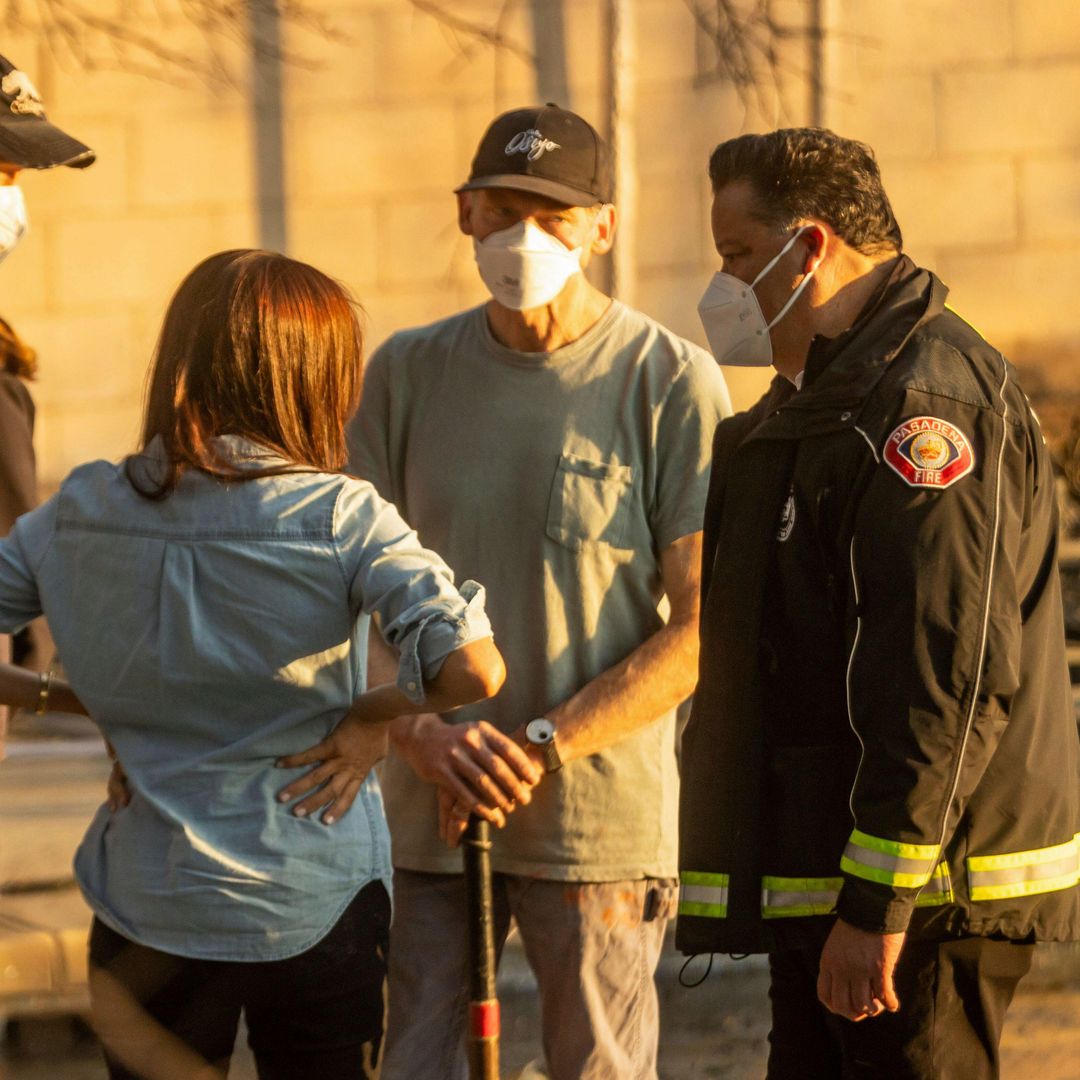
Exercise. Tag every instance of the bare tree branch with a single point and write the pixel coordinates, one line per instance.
(75, 32)
(748, 43)
(488, 35)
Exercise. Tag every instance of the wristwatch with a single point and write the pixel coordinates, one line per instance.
(541, 732)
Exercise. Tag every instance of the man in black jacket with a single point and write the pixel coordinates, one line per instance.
(881, 775)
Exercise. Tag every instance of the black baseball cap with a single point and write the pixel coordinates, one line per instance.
(27, 139)
(546, 150)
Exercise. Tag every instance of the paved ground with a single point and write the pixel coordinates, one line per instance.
(715, 1032)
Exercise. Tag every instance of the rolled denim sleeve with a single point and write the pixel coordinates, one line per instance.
(410, 588)
(429, 642)
(21, 552)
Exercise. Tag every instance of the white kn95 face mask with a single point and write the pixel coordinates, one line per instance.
(13, 218)
(734, 325)
(524, 266)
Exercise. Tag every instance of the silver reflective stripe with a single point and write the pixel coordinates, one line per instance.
(882, 860)
(703, 894)
(788, 897)
(897, 863)
(938, 890)
(1024, 873)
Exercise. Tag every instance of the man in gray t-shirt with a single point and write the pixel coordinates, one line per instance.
(554, 445)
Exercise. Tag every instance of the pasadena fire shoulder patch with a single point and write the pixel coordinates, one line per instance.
(929, 453)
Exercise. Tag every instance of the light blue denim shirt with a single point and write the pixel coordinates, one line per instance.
(208, 634)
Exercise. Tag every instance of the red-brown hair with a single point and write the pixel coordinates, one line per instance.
(16, 357)
(258, 345)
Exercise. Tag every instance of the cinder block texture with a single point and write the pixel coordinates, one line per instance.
(1011, 109)
(944, 203)
(1012, 295)
(83, 359)
(341, 70)
(672, 226)
(906, 35)
(372, 151)
(195, 161)
(1047, 28)
(419, 243)
(341, 240)
(1050, 197)
(896, 115)
(69, 435)
(104, 188)
(111, 261)
(25, 273)
(666, 44)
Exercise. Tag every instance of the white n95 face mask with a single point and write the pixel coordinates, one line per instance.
(737, 331)
(13, 219)
(524, 266)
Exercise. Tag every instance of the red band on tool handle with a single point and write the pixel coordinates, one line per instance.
(484, 1019)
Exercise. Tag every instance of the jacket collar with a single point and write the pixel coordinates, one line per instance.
(841, 371)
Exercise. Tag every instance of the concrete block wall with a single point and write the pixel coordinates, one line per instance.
(107, 245)
(974, 110)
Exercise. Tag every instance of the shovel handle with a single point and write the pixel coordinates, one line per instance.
(484, 1025)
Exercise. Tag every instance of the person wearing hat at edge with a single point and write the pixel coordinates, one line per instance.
(555, 444)
(27, 141)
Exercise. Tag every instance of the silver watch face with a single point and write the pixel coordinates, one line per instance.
(540, 732)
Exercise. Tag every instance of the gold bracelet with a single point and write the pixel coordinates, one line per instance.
(44, 686)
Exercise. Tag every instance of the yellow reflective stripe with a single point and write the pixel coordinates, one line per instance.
(894, 847)
(1025, 873)
(783, 897)
(700, 877)
(892, 862)
(1025, 888)
(703, 894)
(1023, 858)
(938, 890)
(704, 911)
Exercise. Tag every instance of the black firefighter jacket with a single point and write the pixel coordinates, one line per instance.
(883, 725)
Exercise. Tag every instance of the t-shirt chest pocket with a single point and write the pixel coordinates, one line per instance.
(590, 502)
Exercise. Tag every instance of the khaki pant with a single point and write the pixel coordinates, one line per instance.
(593, 948)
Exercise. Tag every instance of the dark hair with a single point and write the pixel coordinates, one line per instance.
(16, 357)
(258, 345)
(799, 173)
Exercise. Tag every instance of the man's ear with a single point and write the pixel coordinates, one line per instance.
(818, 240)
(464, 212)
(604, 230)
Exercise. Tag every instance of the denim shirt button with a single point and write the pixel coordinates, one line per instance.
(411, 684)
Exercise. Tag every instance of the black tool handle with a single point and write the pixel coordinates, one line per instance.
(483, 1003)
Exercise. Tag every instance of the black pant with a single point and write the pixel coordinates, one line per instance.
(953, 996)
(316, 1016)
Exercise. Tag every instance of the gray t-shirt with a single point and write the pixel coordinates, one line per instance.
(555, 479)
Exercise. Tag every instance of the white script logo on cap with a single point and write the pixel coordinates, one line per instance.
(530, 143)
(26, 99)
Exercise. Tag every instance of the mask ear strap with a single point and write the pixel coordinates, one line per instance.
(802, 284)
(779, 255)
